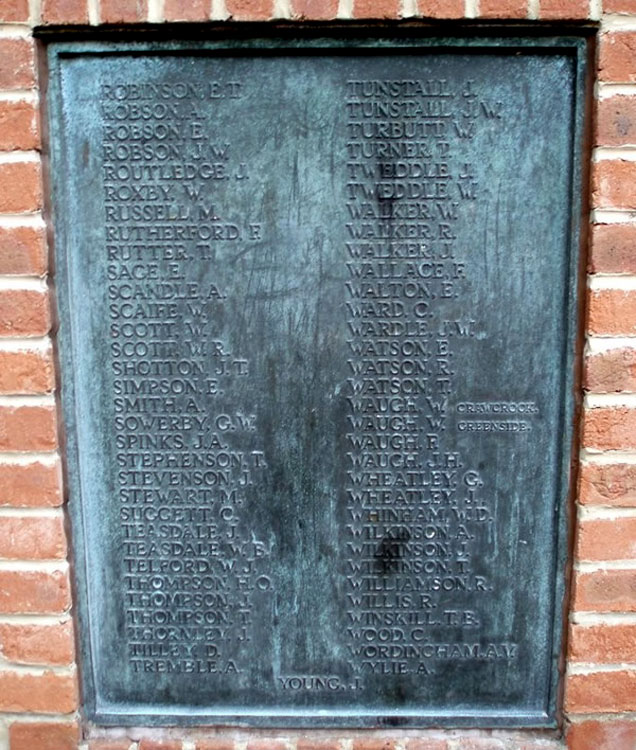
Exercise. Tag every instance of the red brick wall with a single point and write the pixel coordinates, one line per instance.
(38, 686)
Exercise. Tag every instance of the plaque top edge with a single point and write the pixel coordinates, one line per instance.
(451, 44)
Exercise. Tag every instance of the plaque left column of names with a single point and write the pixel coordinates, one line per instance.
(184, 433)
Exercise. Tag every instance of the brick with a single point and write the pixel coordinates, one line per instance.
(123, 11)
(34, 485)
(48, 693)
(557, 9)
(610, 429)
(250, 10)
(28, 428)
(64, 11)
(24, 312)
(306, 743)
(613, 183)
(376, 8)
(193, 10)
(612, 312)
(373, 743)
(619, 6)
(44, 736)
(109, 745)
(598, 692)
(602, 643)
(38, 644)
(22, 251)
(32, 538)
(421, 743)
(18, 126)
(613, 248)
(616, 121)
(611, 371)
(503, 8)
(315, 10)
(160, 745)
(617, 55)
(605, 591)
(441, 8)
(602, 735)
(17, 70)
(480, 743)
(21, 187)
(26, 372)
(217, 744)
(14, 11)
(34, 592)
(606, 539)
(266, 744)
(608, 484)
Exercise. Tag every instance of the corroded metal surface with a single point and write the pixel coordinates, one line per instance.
(317, 330)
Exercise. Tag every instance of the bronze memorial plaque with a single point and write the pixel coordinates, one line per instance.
(317, 323)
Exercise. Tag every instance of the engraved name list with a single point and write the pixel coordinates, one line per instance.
(314, 331)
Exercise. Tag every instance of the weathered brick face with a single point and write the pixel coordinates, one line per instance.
(38, 678)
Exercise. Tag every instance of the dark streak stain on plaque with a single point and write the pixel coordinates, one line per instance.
(317, 324)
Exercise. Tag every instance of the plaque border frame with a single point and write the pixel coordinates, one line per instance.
(328, 38)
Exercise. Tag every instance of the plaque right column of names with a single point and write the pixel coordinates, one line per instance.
(415, 506)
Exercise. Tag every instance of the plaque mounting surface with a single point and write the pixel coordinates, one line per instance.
(317, 320)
